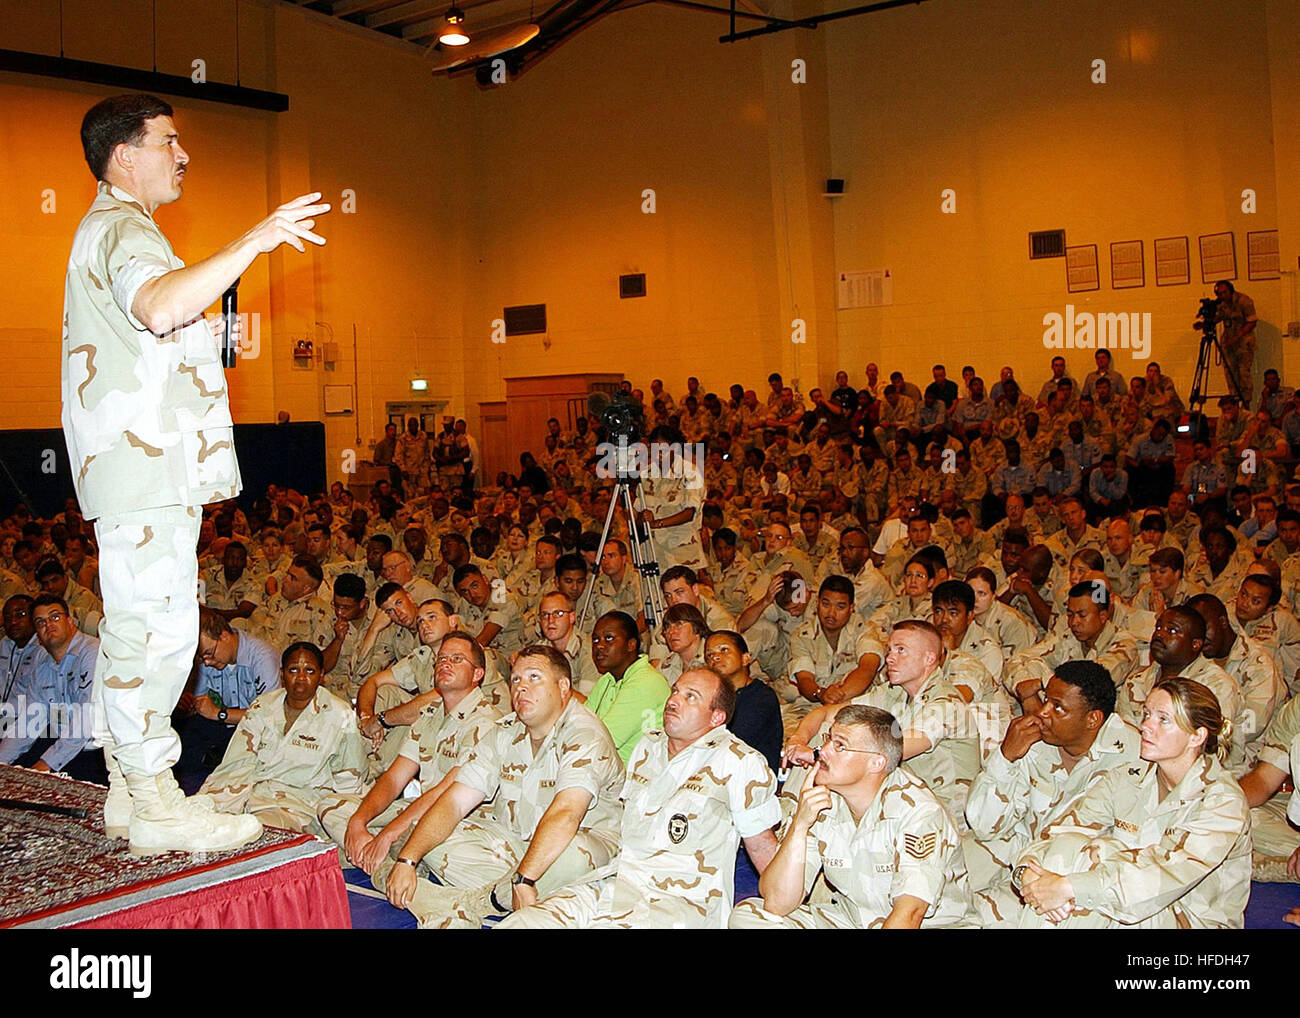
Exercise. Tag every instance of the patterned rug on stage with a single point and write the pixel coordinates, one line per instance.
(49, 863)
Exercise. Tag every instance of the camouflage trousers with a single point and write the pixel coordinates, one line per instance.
(475, 859)
(148, 573)
(334, 812)
(627, 900)
(273, 803)
(1239, 366)
(750, 915)
(1270, 832)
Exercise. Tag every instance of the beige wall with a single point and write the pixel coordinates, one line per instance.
(997, 103)
(470, 199)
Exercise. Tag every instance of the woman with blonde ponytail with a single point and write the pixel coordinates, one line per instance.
(1163, 843)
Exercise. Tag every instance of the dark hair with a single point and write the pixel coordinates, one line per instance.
(212, 624)
(303, 645)
(464, 572)
(836, 584)
(626, 623)
(736, 639)
(117, 120)
(385, 591)
(350, 585)
(1167, 558)
(309, 566)
(1096, 687)
(954, 592)
(1094, 590)
(689, 614)
(45, 600)
(679, 573)
(49, 566)
(933, 554)
(570, 562)
(383, 540)
(1270, 584)
(728, 536)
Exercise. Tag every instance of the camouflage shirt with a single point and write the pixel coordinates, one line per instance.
(146, 418)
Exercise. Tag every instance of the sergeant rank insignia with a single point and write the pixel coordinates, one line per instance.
(919, 847)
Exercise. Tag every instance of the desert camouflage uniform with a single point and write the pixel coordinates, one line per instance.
(1279, 746)
(576, 753)
(896, 610)
(1113, 648)
(1010, 629)
(810, 651)
(733, 584)
(683, 818)
(1134, 690)
(820, 551)
(281, 776)
(1063, 547)
(348, 673)
(870, 588)
(438, 741)
(678, 545)
(1255, 674)
(905, 844)
(506, 614)
(1010, 803)
(1137, 860)
(607, 596)
(281, 622)
(219, 593)
(150, 438)
(1278, 631)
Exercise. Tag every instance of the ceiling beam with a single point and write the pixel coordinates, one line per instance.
(414, 9)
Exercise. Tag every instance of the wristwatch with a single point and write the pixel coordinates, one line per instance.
(1017, 876)
(222, 715)
(519, 878)
(383, 721)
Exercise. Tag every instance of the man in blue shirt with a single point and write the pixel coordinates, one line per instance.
(18, 647)
(234, 670)
(51, 725)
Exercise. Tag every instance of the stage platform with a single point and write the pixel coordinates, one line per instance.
(62, 872)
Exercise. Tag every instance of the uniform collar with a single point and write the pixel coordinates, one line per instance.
(121, 195)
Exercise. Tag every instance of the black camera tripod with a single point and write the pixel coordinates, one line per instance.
(627, 492)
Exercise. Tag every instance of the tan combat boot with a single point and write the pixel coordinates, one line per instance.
(162, 820)
(117, 805)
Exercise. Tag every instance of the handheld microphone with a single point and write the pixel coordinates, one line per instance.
(229, 310)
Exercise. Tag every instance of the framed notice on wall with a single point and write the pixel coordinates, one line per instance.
(338, 399)
(1262, 259)
(1173, 266)
(1081, 268)
(1127, 269)
(1218, 257)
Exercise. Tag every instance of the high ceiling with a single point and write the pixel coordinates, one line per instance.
(418, 21)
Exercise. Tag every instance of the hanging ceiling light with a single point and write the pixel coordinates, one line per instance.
(453, 31)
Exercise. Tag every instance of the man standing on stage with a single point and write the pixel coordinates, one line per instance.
(149, 432)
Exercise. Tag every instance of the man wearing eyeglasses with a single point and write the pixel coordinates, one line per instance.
(397, 568)
(392, 699)
(693, 793)
(448, 727)
(60, 682)
(553, 776)
(556, 616)
(236, 668)
(890, 853)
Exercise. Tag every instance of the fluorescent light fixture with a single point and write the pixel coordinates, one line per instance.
(419, 384)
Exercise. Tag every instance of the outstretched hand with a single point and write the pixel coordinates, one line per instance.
(291, 224)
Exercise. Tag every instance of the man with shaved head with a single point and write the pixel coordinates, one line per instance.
(693, 792)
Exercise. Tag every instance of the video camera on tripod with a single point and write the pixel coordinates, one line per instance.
(1197, 426)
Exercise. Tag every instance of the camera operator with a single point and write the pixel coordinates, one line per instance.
(1237, 338)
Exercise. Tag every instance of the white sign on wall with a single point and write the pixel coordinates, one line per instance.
(867, 288)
